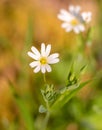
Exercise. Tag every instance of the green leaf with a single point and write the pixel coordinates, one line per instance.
(24, 73)
(76, 69)
(25, 113)
(83, 67)
(42, 109)
(89, 36)
(28, 41)
(64, 97)
(49, 93)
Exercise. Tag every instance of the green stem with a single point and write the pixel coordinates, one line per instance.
(81, 42)
(44, 76)
(45, 122)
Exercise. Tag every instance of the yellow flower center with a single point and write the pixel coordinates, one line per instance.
(74, 22)
(43, 60)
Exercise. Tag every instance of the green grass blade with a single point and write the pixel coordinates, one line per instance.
(28, 40)
(24, 111)
(66, 96)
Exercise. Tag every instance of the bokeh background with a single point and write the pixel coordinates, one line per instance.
(24, 23)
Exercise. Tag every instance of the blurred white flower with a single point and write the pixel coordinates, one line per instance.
(43, 59)
(74, 19)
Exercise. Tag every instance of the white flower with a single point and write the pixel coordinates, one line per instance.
(74, 19)
(43, 59)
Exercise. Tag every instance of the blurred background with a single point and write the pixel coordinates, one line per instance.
(24, 23)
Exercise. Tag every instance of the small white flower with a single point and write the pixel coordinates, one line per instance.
(43, 59)
(74, 19)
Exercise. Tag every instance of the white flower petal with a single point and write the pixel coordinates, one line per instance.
(42, 60)
(81, 27)
(86, 16)
(77, 9)
(48, 68)
(74, 9)
(64, 15)
(69, 28)
(53, 56)
(37, 69)
(48, 49)
(32, 55)
(74, 14)
(64, 12)
(76, 29)
(53, 61)
(65, 25)
(43, 49)
(71, 8)
(35, 51)
(34, 64)
(43, 68)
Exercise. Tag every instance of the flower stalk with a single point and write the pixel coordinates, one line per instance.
(44, 77)
(46, 119)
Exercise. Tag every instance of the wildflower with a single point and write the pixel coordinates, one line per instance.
(43, 59)
(74, 19)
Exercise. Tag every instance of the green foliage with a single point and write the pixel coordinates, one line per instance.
(49, 94)
(24, 111)
(74, 74)
(42, 109)
(23, 73)
(28, 41)
(65, 96)
(57, 99)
